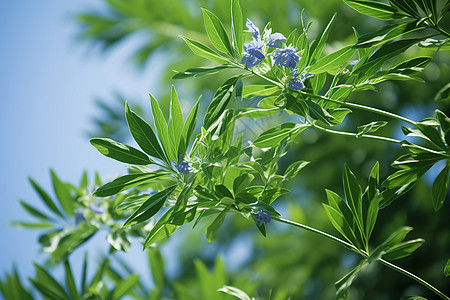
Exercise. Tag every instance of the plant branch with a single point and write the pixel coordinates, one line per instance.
(375, 137)
(365, 255)
(362, 107)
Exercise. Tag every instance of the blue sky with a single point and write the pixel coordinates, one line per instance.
(48, 81)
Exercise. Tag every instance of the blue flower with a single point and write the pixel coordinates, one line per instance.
(252, 28)
(252, 56)
(79, 216)
(276, 40)
(297, 84)
(183, 168)
(306, 75)
(286, 57)
(262, 217)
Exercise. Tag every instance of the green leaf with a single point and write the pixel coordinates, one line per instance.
(143, 134)
(176, 122)
(125, 182)
(403, 249)
(41, 225)
(332, 62)
(352, 192)
(259, 90)
(406, 6)
(374, 9)
(157, 266)
(48, 286)
(118, 239)
(162, 129)
(123, 287)
(45, 197)
(220, 101)
(216, 32)
(294, 168)
(444, 121)
(150, 207)
(371, 127)
(62, 193)
(237, 24)
(323, 39)
(394, 239)
(204, 51)
(275, 135)
(256, 113)
(345, 282)
(70, 281)
(341, 224)
(188, 128)
(443, 94)
(387, 33)
(33, 211)
(413, 298)
(447, 268)
(440, 188)
(318, 113)
(200, 71)
(120, 152)
(231, 290)
(213, 228)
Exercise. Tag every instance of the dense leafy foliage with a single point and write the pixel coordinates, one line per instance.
(205, 175)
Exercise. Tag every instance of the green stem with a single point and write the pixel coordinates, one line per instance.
(319, 232)
(364, 254)
(375, 137)
(362, 107)
(414, 277)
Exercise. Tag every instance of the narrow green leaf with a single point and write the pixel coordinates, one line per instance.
(220, 101)
(447, 268)
(150, 207)
(143, 134)
(70, 281)
(259, 90)
(413, 298)
(188, 129)
(120, 152)
(341, 224)
(123, 287)
(45, 197)
(216, 32)
(440, 188)
(47, 285)
(444, 121)
(157, 266)
(200, 71)
(33, 211)
(62, 193)
(237, 24)
(374, 9)
(371, 127)
(162, 129)
(256, 113)
(394, 239)
(41, 225)
(275, 135)
(322, 41)
(213, 228)
(204, 51)
(343, 285)
(231, 290)
(176, 122)
(332, 62)
(294, 168)
(402, 250)
(406, 6)
(387, 33)
(443, 95)
(125, 182)
(352, 192)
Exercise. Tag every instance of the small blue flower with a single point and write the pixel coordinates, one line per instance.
(79, 216)
(252, 56)
(276, 40)
(262, 217)
(252, 28)
(286, 57)
(183, 168)
(297, 84)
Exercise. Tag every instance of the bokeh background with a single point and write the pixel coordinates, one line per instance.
(65, 67)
